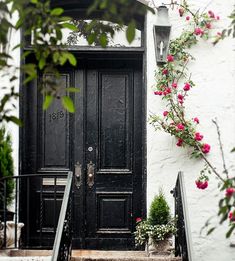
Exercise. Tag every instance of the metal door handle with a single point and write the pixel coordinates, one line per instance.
(90, 174)
(78, 175)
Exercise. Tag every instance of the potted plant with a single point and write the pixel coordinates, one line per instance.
(156, 231)
(6, 170)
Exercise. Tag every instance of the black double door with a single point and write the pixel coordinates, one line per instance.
(102, 143)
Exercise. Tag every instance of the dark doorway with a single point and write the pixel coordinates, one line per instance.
(102, 142)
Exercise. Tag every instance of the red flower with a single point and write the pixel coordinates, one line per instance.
(168, 90)
(231, 216)
(211, 14)
(174, 85)
(165, 113)
(138, 219)
(206, 148)
(158, 93)
(208, 25)
(196, 120)
(187, 18)
(201, 185)
(165, 71)
(181, 12)
(198, 31)
(170, 58)
(198, 136)
(229, 192)
(180, 97)
(179, 143)
(187, 87)
(180, 126)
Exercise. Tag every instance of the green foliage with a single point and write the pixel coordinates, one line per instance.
(159, 213)
(6, 164)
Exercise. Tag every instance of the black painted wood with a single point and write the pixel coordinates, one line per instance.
(106, 130)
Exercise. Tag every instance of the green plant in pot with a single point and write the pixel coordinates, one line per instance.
(6, 170)
(156, 231)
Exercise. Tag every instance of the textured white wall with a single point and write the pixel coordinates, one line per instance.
(213, 72)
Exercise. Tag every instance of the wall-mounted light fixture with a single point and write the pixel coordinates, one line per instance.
(161, 32)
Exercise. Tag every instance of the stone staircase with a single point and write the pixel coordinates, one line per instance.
(84, 255)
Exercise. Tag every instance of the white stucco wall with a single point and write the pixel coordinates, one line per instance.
(213, 72)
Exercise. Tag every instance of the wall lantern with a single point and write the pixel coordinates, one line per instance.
(161, 33)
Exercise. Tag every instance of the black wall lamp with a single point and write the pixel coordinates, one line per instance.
(161, 33)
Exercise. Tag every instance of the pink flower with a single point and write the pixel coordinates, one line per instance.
(201, 185)
(196, 120)
(217, 17)
(181, 12)
(158, 93)
(206, 148)
(187, 18)
(198, 31)
(229, 192)
(208, 25)
(219, 33)
(174, 85)
(165, 72)
(168, 90)
(180, 97)
(231, 216)
(138, 219)
(179, 143)
(180, 126)
(211, 14)
(198, 136)
(170, 58)
(187, 87)
(165, 113)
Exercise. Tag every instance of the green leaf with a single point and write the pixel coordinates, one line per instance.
(103, 40)
(47, 102)
(210, 230)
(130, 31)
(34, 1)
(71, 58)
(70, 26)
(233, 150)
(42, 63)
(228, 234)
(15, 120)
(73, 89)
(68, 104)
(57, 11)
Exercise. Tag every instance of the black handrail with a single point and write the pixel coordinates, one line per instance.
(183, 246)
(63, 240)
(32, 237)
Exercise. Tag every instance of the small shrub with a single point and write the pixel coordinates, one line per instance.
(6, 164)
(159, 213)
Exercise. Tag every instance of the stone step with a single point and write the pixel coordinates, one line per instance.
(93, 255)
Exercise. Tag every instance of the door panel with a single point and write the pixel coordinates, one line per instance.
(106, 134)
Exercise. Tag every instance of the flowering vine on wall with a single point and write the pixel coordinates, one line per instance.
(173, 85)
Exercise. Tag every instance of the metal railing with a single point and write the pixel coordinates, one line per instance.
(37, 204)
(63, 241)
(183, 242)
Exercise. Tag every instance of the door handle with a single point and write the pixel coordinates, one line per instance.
(90, 174)
(78, 175)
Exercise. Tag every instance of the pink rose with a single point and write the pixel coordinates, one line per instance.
(168, 90)
(204, 185)
(219, 33)
(217, 17)
(187, 18)
(179, 143)
(198, 31)
(196, 120)
(158, 93)
(229, 192)
(231, 216)
(211, 14)
(180, 126)
(165, 72)
(187, 87)
(170, 58)
(174, 85)
(180, 97)
(198, 136)
(201, 185)
(206, 148)
(165, 113)
(138, 219)
(208, 25)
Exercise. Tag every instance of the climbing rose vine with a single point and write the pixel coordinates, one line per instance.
(173, 86)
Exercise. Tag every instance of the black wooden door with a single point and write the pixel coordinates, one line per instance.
(103, 143)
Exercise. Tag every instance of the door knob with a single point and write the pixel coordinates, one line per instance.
(78, 175)
(90, 174)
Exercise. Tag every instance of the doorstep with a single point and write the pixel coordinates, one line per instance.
(94, 255)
